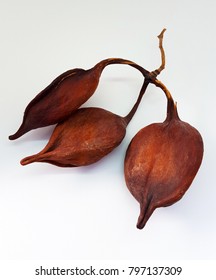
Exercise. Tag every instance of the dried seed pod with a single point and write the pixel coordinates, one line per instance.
(85, 137)
(64, 95)
(69, 91)
(161, 163)
(91, 133)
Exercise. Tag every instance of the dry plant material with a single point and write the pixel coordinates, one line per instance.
(85, 137)
(64, 95)
(88, 134)
(162, 161)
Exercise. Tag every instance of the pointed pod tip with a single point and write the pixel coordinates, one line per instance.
(12, 137)
(21, 131)
(23, 162)
(27, 160)
(16, 135)
(139, 226)
(142, 220)
(146, 210)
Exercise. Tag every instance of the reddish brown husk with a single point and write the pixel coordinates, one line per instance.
(84, 138)
(64, 95)
(69, 91)
(161, 163)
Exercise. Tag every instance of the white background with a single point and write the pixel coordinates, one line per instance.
(47, 212)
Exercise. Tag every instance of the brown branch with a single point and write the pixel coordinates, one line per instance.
(163, 61)
(150, 77)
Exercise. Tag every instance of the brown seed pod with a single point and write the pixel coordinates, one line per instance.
(85, 137)
(91, 133)
(64, 95)
(161, 163)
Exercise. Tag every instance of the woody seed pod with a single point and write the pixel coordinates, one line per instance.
(85, 137)
(161, 163)
(64, 95)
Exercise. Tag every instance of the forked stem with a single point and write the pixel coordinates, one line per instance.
(147, 74)
(156, 72)
(150, 77)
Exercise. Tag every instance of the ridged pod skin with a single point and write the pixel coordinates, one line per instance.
(64, 95)
(161, 163)
(85, 137)
(57, 101)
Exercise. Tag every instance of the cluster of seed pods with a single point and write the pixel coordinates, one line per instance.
(162, 159)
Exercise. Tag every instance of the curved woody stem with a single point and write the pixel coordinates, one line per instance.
(102, 64)
(130, 115)
(159, 84)
(147, 74)
(155, 81)
(150, 77)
